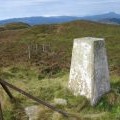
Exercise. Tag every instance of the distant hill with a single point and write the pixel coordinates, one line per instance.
(110, 21)
(14, 26)
(109, 18)
(61, 19)
(18, 25)
(40, 20)
(109, 15)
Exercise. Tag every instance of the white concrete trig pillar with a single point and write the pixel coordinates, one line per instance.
(89, 74)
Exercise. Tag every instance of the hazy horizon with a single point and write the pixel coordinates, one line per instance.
(48, 8)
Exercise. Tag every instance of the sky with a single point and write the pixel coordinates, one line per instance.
(27, 8)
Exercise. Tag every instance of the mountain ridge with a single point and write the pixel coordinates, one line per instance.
(61, 19)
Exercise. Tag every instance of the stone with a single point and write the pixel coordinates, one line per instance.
(57, 116)
(89, 74)
(32, 112)
(60, 101)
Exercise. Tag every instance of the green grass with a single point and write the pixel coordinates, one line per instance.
(14, 45)
(46, 74)
(49, 88)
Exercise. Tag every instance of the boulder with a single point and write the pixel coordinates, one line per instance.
(60, 101)
(32, 112)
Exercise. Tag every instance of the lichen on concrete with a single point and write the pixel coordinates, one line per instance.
(89, 74)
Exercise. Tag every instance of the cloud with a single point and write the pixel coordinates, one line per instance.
(24, 2)
(97, 1)
(22, 8)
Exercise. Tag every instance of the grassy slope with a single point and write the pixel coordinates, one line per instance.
(14, 43)
(48, 89)
(26, 74)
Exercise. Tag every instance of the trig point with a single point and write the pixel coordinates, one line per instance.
(89, 74)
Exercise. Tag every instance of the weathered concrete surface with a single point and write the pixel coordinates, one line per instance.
(89, 74)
